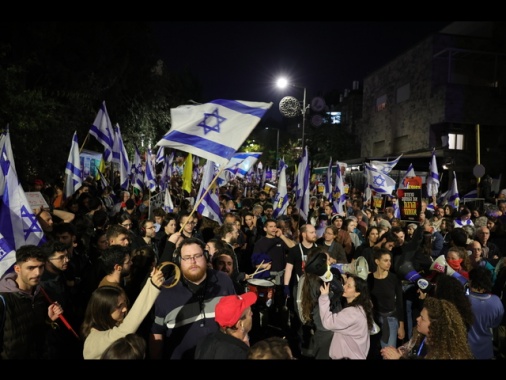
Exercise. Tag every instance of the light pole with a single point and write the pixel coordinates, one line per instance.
(282, 83)
(277, 144)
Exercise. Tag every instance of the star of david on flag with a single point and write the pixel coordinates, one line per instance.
(213, 130)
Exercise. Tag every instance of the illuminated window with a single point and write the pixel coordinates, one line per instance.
(455, 141)
(381, 103)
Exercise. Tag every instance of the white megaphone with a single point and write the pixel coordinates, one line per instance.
(440, 265)
(359, 267)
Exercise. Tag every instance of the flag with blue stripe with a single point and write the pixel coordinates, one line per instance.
(338, 193)
(385, 166)
(378, 181)
(149, 175)
(327, 191)
(74, 178)
(137, 172)
(433, 177)
(103, 131)
(7, 256)
(214, 130)
(302, 194)
(281, 200)
(124, 164)
(6, 148)
(19, 224)
(409, 173)
(453, 194)
(208, 196)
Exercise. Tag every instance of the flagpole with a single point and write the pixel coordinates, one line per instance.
(84, 142)
(199, 201)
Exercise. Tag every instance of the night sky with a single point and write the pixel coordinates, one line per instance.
(242, 60)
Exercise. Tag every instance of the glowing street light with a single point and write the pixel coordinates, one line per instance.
(289, 109)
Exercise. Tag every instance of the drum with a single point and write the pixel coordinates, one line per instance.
(264, 290)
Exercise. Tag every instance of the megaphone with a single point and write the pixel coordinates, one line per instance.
(359, 267)
(440, 265)
(407, 271)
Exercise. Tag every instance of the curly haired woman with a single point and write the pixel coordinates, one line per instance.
(440, 334)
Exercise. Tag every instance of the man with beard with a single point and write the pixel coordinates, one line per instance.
(116, 261)
(62, 343)
(294, 269)
(184, 313)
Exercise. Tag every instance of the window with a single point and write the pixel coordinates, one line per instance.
(455, 141)
(381, 103)
(403, 93)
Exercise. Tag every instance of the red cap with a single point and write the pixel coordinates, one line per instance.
(230, 308)
(38, 182)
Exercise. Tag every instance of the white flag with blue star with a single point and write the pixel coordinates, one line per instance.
(214, 130)
(409, 173)
(18, 223)
(378, 181)
(452, 195)
(120, 153)
(74, 178)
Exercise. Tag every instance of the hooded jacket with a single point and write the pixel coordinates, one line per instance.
(25, 321)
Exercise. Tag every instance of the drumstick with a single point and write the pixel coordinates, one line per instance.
(259, 271)
(258, 267)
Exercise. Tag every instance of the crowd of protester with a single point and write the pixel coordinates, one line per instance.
(120, 278)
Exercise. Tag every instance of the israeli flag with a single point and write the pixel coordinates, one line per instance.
(74, 178)
(433, 177)
(214, 130)
(385, 166)
(103, 131)
(149, 175)
(124, 164)
(208, 195)
(378, 181)
(302, 194)
(7, 256)
(281, 200)
(137, 172)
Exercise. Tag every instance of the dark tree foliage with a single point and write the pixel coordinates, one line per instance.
(55, 75)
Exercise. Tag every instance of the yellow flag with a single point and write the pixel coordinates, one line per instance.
(101, 169)
(188, 173)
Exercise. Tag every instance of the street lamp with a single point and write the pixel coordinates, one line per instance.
(287, 108)
(277, 144)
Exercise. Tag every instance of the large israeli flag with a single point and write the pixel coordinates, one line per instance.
(18, 223)
(338, 193)
(103, 131)
(74, 178)
(214, 130)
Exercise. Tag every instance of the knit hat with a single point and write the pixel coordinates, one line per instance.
(230, 308)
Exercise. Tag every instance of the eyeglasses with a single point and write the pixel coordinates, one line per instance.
(61, 258)
(191, 258)
(127, 225)
(192, 223)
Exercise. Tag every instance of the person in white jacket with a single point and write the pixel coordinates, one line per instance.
(352, 324)
(108, 318)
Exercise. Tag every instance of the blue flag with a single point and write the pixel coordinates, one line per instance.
(214, 130)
